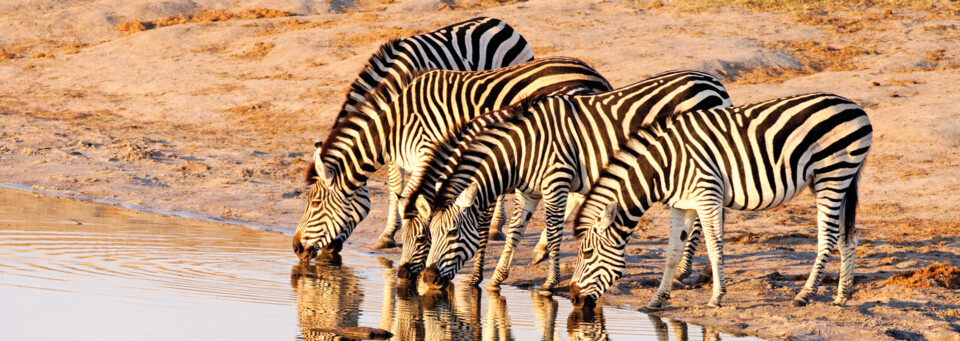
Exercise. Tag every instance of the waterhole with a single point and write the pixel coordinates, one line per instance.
(80, 270)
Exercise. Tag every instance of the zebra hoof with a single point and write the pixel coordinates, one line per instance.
(799, 302)
(385, 243)
(539, 256)
(494, 287)
(840, 301)
(499, 236)
(714, 304)
(650, 309)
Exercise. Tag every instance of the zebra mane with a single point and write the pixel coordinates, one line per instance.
(464, 137)
(359, 85)
(310, 174)
(372, 105)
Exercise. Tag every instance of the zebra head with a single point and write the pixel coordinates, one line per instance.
(599, 260)
(416, 240)
(454, 238)
(330, 213)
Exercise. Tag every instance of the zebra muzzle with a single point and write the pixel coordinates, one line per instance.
(581, 302)
(433, 278)
(406, 272)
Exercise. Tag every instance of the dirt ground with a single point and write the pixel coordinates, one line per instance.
(211, 108)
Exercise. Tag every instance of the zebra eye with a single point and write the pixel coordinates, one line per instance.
(315, 204)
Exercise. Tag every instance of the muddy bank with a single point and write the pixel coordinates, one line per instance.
(217, 118)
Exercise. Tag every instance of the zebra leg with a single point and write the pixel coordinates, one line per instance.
(484, 227)
(686, 263)
(555, 204)
(540, 251)
(680, 223)
(828, 229)
(499, 219)
(710, 211)
(523, 209)
(386, 240)
(848, 241)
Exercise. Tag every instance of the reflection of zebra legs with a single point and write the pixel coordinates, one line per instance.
(545, 307)
(497, 326)
(387, 306)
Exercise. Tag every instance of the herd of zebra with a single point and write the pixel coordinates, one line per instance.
(468, 115)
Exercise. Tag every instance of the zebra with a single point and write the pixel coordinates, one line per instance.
(551, 147)
(392, 133)
(473, 45)
(751, 157)
(323, 290)
(436, 159)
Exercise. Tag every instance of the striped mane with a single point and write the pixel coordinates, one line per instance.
(385, 55)
(372, 105)
(467, 134)
(640, 139)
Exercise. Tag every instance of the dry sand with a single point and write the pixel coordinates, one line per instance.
(153, 104)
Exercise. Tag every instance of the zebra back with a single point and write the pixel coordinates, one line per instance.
(440, 158)
(454, 47)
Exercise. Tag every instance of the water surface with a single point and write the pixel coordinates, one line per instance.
(78, 270)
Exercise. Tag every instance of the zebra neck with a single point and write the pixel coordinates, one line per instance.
(384, 70)
(358, 147)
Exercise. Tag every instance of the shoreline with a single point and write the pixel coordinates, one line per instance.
(216, 120)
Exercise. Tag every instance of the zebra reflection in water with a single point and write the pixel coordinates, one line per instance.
(328, 297)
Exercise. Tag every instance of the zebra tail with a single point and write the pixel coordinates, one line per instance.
(849, 204)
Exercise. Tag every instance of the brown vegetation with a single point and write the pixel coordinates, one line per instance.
(936, 275)
(814, 57)
(134, 26)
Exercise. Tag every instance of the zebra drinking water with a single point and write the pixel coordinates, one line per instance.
(751, 157)
(477, 44)
(393, 132)
(551, 147)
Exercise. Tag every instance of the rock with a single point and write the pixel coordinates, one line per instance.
(357, 333)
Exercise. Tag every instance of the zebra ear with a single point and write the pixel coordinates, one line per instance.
(423, 207)
(317, 143)
(608, 216)
(466, 198)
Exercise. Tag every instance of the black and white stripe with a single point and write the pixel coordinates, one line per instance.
(751, 157)
(552, 147)
(384, 132)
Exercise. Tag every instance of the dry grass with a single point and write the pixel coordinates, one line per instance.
(134, 26)
(801, 6)
(814, 56)
(259, 50)
(936, 275)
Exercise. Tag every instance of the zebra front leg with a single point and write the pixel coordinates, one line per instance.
(524, 206)
(499, 219)
(540, 251)
(828, 229)
(555, 203)
(711, 216)
(395, 181)
(681, 221)
(484, 229)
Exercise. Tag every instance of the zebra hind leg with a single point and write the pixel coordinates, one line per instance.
(828, 231)
(848, 242)
(540, 251)
(711, 216)
(686, 263)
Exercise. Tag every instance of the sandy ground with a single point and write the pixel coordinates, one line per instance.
(151, 104)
